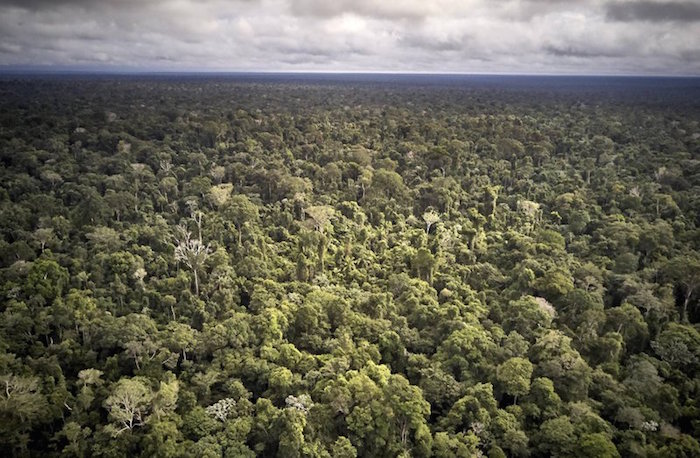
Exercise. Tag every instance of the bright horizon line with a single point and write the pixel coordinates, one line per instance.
(56, 70)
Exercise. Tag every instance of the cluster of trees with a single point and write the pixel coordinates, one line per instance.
(214, 268)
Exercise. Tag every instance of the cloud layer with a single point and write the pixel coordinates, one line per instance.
(502, 36)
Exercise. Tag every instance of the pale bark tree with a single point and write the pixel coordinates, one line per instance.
(430, 218)
(191, 251)
(129, 404)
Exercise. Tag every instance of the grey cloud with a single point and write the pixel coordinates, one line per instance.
(566, 2)
(690, 55)
(427, 42)
(33, 5)
(399, 9)
(101, 4)
(364, 35)
(653, 11)
(433, 45)
(6, 48)
(577, 51)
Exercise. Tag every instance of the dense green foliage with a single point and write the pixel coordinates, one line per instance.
(208, 267)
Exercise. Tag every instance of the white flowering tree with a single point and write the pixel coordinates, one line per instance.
(221, 409)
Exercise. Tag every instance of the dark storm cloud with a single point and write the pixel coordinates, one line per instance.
(539, 36)
(654, 11)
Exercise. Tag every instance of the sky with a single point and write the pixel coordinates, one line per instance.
(638, 37)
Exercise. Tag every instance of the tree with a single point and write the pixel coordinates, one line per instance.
(388, 184)
(240, 210)
(557, 360)
(46, 278)
(462, 445)
(343, 448)
(555, 284)
(473, 412)
(192, 252)
(22, 406)
(685, 270)
(596, 444)
(45, 236)
(467, 353)
(556, 437)
(679, 345)
(180, 337)
(77, 438)
(320, 216)
(410, 411)
(165, 399)
(129, 404)
(221, 409)
(291, 439)
(528, 316)
(430, 218)
(220, 194)
(629, 322)
(514, 375)
(491, 200)
(424, 264)
(104, 239)
(508, 434)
